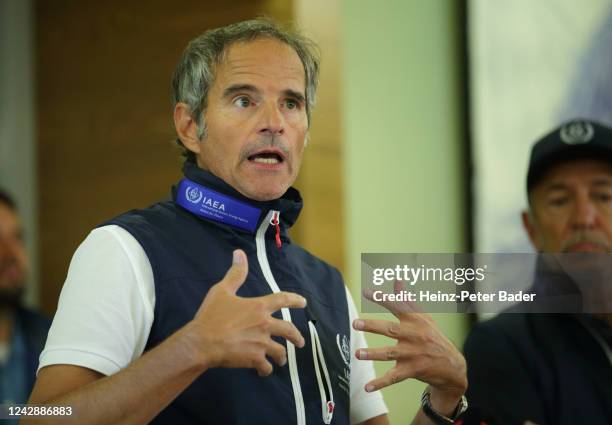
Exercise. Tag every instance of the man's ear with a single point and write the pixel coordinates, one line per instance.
(186, 127)
(531, 228)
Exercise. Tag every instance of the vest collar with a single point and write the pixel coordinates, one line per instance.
(289, 204)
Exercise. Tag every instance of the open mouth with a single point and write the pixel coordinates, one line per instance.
(267, 157)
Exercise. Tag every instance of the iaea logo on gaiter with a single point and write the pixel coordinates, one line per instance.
(193, 194)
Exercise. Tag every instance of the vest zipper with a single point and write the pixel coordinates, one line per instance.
(262, 258)
(327, 404)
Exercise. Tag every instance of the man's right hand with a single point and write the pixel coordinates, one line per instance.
(233, 331)
(227, 331)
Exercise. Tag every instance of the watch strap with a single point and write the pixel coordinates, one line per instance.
(438, 418)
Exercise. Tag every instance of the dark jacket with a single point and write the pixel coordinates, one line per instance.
(35, 328)
(546, 368)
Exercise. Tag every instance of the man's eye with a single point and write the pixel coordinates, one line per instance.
(603, 197)
(557, 202)
(292, 104)
(242, 102)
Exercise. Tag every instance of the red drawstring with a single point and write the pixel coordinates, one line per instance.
(274, 223)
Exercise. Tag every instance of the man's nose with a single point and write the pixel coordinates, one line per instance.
(272, 120)
(10, 249)
(584, 215)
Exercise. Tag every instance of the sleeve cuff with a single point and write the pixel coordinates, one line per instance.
(366, 409)
(81, 358)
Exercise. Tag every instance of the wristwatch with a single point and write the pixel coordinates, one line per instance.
(436, 417)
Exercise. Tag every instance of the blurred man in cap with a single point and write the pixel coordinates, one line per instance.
(554, 368)
(22, 331)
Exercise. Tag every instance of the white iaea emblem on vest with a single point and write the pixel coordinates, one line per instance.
(344, 348)
(577, 132)
(193, 194)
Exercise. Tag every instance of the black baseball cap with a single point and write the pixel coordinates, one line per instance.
(575, 139)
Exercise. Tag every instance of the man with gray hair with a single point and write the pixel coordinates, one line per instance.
(174, 314)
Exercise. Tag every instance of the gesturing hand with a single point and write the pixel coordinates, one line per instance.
(421, 352)
(236, 332)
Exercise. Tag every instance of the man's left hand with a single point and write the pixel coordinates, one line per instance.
(421, 352)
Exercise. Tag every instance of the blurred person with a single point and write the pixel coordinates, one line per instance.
(555, 368)
(170, 314)
(22, 331)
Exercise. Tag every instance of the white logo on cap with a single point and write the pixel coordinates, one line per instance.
(577, 132)
(193, 194)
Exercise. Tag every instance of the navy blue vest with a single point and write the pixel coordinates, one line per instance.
(189, 254)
